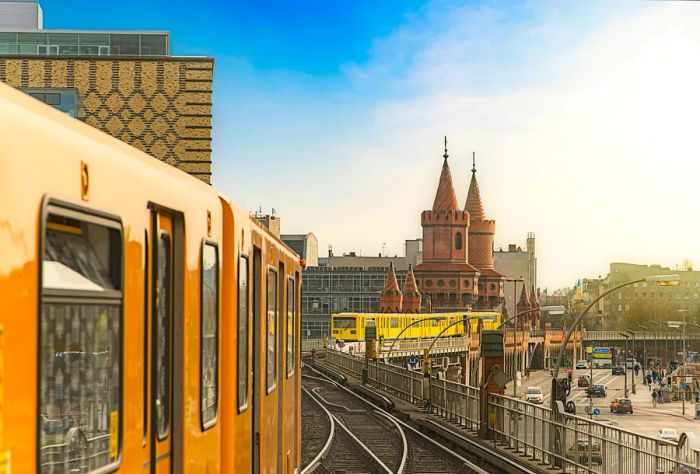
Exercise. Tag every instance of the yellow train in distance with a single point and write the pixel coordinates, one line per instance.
(351, 326)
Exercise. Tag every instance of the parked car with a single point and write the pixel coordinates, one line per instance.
(534, 395)
(579, 452)
(584, 381)
(597, 390)
(582, 364)
(621, 405)
(669, 434)
(618, 370)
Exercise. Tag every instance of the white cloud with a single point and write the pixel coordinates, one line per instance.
(584, 123)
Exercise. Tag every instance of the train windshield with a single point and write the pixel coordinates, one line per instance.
(344, 323)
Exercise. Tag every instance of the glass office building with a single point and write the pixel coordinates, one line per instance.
(85, 43)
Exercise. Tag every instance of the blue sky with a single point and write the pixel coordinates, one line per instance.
(332, 112)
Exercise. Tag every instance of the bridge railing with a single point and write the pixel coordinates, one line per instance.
(567, 442)
(308, 344)
(639, 335)
(578, 444)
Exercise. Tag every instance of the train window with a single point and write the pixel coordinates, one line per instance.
(394, 322)
(80, 372)
(344, 322)
(163, 312)
(242, 333)
(271, 330)
(291, 325)
(209, 342)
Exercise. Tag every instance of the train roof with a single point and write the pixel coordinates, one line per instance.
(140, 161)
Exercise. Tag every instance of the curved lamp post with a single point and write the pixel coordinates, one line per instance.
(663, 280)
(489, 319)
(546, 309)
(418, 321)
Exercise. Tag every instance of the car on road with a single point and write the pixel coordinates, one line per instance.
(618, 370)
(582, 364)
(621, 405)
(579, 452)
(534, 395)
(584, 381)
(669, 434)
(597, 390)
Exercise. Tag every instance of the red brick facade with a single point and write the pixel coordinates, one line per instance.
(390, 301)
(411, 295)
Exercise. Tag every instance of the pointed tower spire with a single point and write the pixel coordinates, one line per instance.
(524, 300)
(390, 299)
(445, 197)
(411, 296)
(474, 205)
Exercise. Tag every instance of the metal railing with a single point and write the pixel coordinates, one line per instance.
(566, 442)
(577, 444)
(639, 335)
(308, 344)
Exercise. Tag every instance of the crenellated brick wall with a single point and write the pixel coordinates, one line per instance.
(159, 105)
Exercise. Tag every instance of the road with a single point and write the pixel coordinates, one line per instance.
(646, 419)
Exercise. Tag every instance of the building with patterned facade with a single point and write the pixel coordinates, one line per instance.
(125, 83)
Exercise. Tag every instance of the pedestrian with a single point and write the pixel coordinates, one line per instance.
(653, 398)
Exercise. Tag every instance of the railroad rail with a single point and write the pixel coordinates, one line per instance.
(401, 448)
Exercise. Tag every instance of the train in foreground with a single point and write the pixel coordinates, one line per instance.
(148, 324)
(350, 327)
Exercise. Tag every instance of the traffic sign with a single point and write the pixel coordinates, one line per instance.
(596, 411)
(601, 350)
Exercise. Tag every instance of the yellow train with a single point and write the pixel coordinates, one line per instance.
(148, 324)
(351, 326)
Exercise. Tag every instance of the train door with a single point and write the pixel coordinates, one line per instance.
(165, 284)
(257, 367)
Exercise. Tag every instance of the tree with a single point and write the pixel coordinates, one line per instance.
(643, 312)
(687, 265)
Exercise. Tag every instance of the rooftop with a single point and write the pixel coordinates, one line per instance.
(24, 42)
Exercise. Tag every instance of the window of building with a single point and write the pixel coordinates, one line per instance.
(687, 284)
(271, 331)
(679, 296)
(696, 284)
(636, 285)
(65, 100)
(458, 241)
(644, 284)
(209, 342)
(652, 295)
(242, 333)
(695, 296)
(627, 307)
(291, 325)
(644, 294)
(80, 350)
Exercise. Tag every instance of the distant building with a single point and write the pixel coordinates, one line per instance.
(686, 295)
(125, 83)
(271, 221)
(305, 245)
(517, 263)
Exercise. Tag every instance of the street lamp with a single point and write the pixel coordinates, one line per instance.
(685, 354)
(665, 336)
(634, 361)
(663, 280)
(644, 353)
(557, 309)
(426, 356)
(624, 362)
(413, 323)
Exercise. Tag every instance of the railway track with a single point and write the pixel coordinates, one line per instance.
(395, 446)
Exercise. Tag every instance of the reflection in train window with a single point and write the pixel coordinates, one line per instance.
(271, 332)
(210, 335)
(291, 323)
(242, 333)
(163, 314)
(80, 346)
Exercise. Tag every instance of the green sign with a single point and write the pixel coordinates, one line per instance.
(492, 343)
